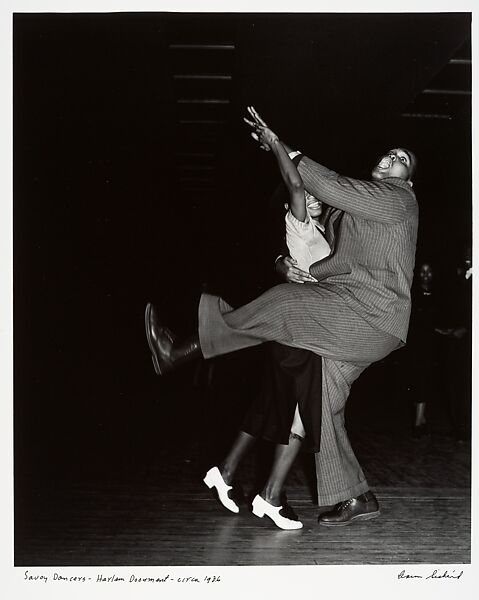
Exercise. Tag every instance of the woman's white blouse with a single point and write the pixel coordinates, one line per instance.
(306, 243)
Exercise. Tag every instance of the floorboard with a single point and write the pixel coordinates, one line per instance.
(166, 516)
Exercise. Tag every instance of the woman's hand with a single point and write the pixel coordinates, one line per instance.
(286, 268)
(262, 133)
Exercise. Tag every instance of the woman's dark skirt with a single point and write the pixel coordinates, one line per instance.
(292, 376)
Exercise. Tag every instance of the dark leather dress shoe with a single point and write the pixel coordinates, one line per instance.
(166, 351)
(362, 507)
(160, 340)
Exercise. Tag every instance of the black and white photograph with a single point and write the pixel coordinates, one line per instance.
(241, 299)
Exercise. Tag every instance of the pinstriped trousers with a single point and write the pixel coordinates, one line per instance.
(338, 472)
(314, 318)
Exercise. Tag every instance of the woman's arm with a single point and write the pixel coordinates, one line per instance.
(291, 177)
(289, 173)
(293, 181)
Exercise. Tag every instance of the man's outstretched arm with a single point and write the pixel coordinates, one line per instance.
(384, 202)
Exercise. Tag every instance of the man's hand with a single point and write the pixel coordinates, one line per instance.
(262, 133)
(287, 269)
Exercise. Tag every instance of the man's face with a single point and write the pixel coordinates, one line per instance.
(395, 163)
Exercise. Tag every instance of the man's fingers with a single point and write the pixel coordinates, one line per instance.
(300, 272)
(293, 277)
(302, 275)
(254, 125)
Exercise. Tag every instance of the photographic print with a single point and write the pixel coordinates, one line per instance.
(242, 292)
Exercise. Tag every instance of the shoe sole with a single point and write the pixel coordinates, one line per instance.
(154, 358)
(276, 524)
(262, 513)
(364, 517)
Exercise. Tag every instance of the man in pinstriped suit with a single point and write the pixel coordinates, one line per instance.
(340, 478)
(355, 314)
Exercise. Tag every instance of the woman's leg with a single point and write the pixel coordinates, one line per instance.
(283, 461)
(297, 427)
(420, 427)
(420, 417)
(242, 444)
(269, 502)
(221, 477)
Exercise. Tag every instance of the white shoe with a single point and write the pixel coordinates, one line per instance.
(261, 508)
(214, 479)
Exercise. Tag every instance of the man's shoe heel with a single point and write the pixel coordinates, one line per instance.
(369, 516)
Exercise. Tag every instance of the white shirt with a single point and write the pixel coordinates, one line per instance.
(306, 243)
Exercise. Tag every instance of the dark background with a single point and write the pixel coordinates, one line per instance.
(109, 214)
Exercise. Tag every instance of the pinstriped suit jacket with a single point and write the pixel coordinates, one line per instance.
(372, 229)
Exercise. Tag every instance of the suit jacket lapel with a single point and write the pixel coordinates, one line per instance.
(332, 222)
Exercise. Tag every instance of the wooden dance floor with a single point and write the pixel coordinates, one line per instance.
(155, 510)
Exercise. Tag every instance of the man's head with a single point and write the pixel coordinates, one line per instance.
(398, 162)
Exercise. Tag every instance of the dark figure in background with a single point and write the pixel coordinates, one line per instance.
(456, 327)
(420, 354)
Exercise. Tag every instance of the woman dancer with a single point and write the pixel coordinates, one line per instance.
(291, 391)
